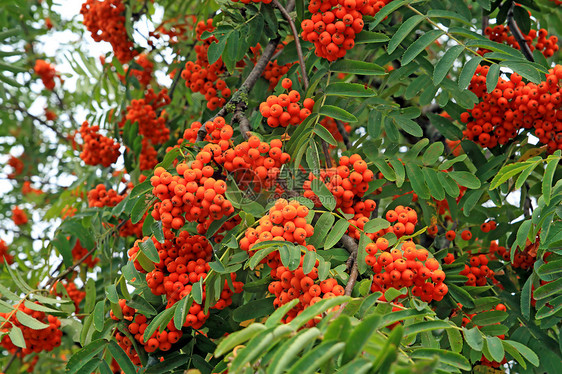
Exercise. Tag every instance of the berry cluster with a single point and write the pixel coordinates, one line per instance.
(285, 110)
(192, 195)
(152, 126)
(406, 266)
(286, 221)
(19, 216)
(500, 34)
(515, 105)
(148, 157)
(35, 340)
(476, 270)
(145, 74)
(334, 24)
(203, 77)
(524, 258)
(17, 164)
(350, 179)
(273, 71)
(98, 149)
(5, 257)
(106, 21)
(46, 72)
(217, 132)
(99, 197)
(73, 292)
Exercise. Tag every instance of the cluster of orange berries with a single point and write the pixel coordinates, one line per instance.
(19, 216)
(174, 29)
(514, 105)
(350, 179)
(35, 340)
(285, 110)
(465, 234)
(217, 132)
(17, 164)
(192, 195)
(524, 259)
(557, 2)
(143, 76)
(68, 211)
(500, 34)
(46, 72)
(26, 189)
(252, 1)
(100, 197)
(203, 77)
(5, 257)
(334, 24)
(78, 252)
(106, 21)
(330, 124)
(273, 71)
(286, 221)
(477, 270)
(406, 266)
(144, 112)
(148, 157)
(137, 324)
(74, 293)
(98, 149)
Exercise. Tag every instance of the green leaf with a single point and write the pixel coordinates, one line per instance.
(445, 127)
(324, 194)
(432, 153)
(161, 319)
(181, 311)
(495, 348)
(141, 189)
(492, 77)
(375, 225)
(446, 63)
(290, 256)
(149, 249)
(308, 262)
(90, 295)
(314, 359)
(461, 295)
(403, 31)
(337, 113)
(524, 69)
(416, 328)
(473, 338)
(287, 353)
(318, 308)
(336, 233)
(468, 72)
(432, 179)
(411, 127)
(238, 337)
(548, 176)
(455, 339)
(365, 37)
(321, 229)
(254, 309)
(79, 359)
(215, 50)
(387, 10)
(323, 132)
(359, 337)
(349, 89)
(357, 67)
(99, 315)
(466, 179)
(525, 351)
(546, 290)
(392, 293)
(417, 180)
(489, 318)
(121, 357)
(386, 170)
(419, 45)
(449, 358)
(29, 321)
(16, 336)
(526, 297)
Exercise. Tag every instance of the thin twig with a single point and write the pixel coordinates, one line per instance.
(518, 35)
(344, 134)
(242, 94)
(41, 121)
(349, 243)
(288, 18)
(12, 359)
(175, 82)
(62, 107)
(243, 121)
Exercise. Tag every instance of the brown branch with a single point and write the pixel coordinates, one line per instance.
(288, 18)
(242, 94)
(518, 35)
(12, 359)
(35, 118)
(349, 243)
(243, 121)
(344, 134)
(175, 82)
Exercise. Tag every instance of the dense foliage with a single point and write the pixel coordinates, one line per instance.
(309, 186)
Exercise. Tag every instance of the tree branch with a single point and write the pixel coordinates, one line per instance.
(349, 243)
(41, 121)
(243, 121)
(12, 359)
(288, 18)
(242, 94)
(326, 151)
(519, 36)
